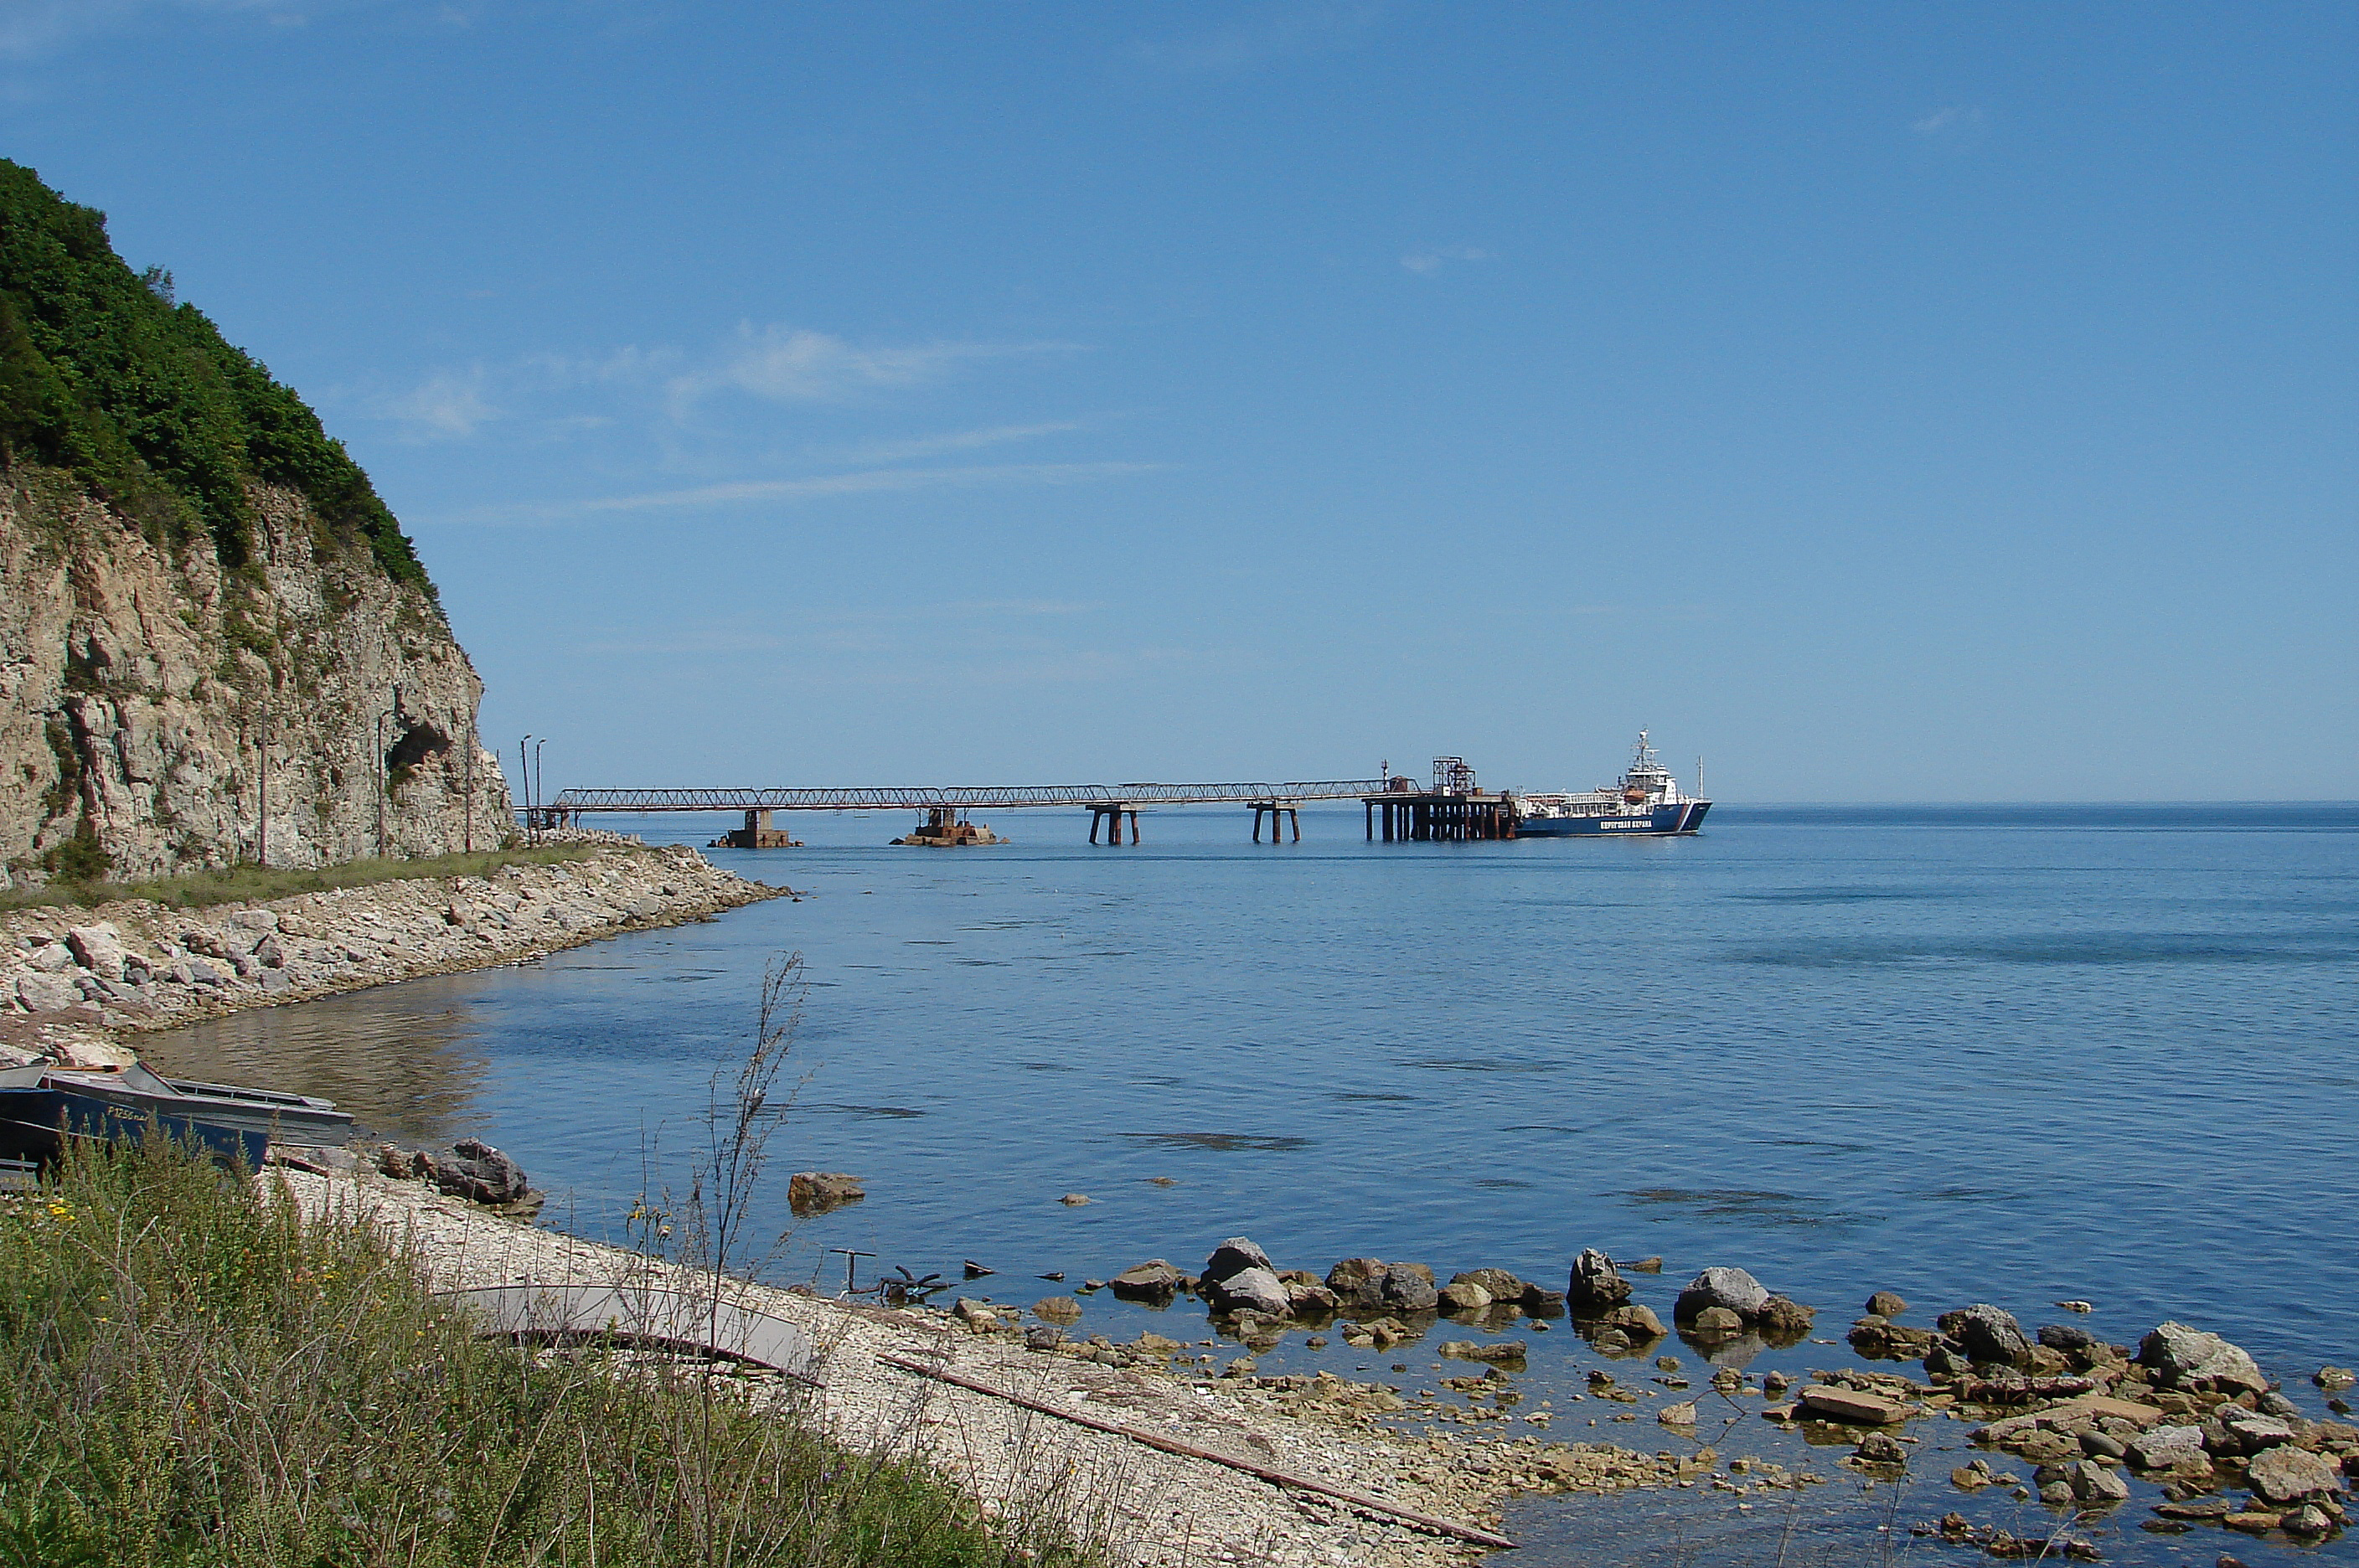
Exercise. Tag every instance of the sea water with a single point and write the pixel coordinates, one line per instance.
(2022, 1055)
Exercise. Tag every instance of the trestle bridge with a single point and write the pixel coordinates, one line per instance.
(1452, 809)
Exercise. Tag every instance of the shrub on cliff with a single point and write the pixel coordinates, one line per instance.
(103, 373)
(196, 1376)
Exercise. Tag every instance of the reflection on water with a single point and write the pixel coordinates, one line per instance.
(409, 1062)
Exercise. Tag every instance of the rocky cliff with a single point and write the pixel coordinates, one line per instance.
(216, 642)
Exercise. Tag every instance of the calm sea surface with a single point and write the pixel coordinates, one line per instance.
(2018, 1055)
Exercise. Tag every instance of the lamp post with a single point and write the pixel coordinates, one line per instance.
(524, 782)
(262, 791)
(384, 774)
(538, 800)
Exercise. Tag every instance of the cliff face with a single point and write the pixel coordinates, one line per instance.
(205, 602)
(136, 680)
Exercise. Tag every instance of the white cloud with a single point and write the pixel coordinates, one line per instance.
(445, 406)
(1276, 32)
(869, 482)
(798, 365)
(1953, 126)
(951, 440)
(1426, 263)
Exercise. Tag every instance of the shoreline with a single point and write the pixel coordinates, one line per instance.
(1144, 1505)
(74, 981)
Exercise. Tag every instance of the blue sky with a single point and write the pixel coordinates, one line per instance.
(1885, 401)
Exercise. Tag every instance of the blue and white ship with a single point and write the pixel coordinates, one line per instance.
(1647, 803)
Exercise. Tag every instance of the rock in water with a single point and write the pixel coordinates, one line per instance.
(1235, 1256)
(2286, 1475)
(817, 1191)
(2184, 1357)
(474, 1170)
(1884, 1304)
(2066, 1336)
(1988, 1335)
(1153, 1281)
(1733, 1288)
(1408, 1287)
(1881, 1448)
(1496, 1283)
(1249, 1290)
(1639, 1323)
(1463, 1296)
(2099, 1483)
(1596, 1287)
(1783, 1318)
(1358, 1281)
(1061, 1310)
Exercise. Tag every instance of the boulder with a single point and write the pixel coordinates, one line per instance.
(1358, 1282)
(1235, 1256)
(1154, 1281)
(1637, 1321)
(2099, 1483)
(47, 993)
(1249, 1290)
(1988, 1335)
(2249, 1431)
(2333, 1379)
(52, 958)
(1596, 1287)
(1463, 1296)
(817, 1191)
(474, 1170)
(1782, 1317)
(1880, 1340)
(1408, 1287)
(1880, 1448)
(1681, 1414)
(1731, 1289)
(2165, 1447)
(1502, 1352)
(1541, 1302)
(1884, 1304)
(1309, 1297)
(1059, 1310)
(1824, 1401)
(1717, 1320)
(2286, 1475)
(1497, 1283)
(2066, 1336)
(2184, 1357)
(98, 949)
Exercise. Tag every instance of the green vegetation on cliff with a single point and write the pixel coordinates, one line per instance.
(102, 374)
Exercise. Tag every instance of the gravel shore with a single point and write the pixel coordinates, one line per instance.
(136, 966)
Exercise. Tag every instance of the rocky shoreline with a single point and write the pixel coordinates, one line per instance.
(70, 980)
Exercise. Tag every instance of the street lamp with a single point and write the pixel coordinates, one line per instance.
(524, 782)
(384, 775)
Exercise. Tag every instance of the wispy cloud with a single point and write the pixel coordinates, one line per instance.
(1426, 263)
(868, 482)
(1273, 34)
(32, 28)
(445, 406)
(1953, 128)
(915, 447)
(794, 365)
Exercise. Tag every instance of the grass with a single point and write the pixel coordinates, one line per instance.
(245, 884)
(196, 1375)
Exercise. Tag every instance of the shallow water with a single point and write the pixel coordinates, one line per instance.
(2013, 1055)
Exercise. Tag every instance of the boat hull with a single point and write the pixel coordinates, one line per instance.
(36, 1124)
(1664, 821)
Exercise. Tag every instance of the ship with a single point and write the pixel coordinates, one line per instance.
(1647, 803)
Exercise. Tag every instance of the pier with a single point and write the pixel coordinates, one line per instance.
(1112, 807)
(1456, 809)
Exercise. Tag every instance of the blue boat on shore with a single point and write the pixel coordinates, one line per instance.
(44, 1109)
(1646, 803)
